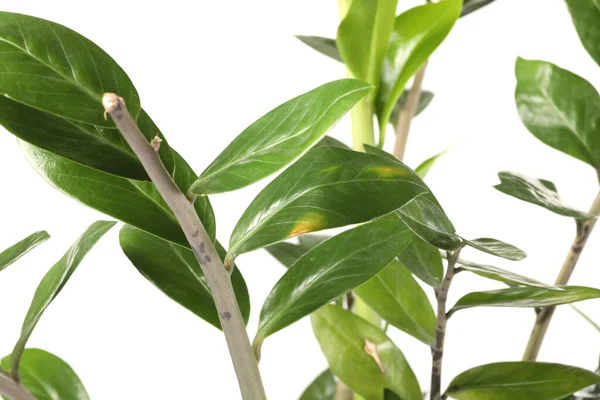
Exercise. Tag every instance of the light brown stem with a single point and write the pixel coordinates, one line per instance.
(544, 316)
(218, 278)
(408, 112)
(13, 390)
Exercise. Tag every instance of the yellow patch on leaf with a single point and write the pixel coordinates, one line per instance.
(309, 223)
(387, 172)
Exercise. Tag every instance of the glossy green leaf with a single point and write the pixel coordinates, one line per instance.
(390, 395)
(54, 280)
(536, 191)
(399, 299)
(328, 187)
(424, 261)
(527, 297)
(417, 33)
(48, 377)
(470, 6)
(559, 108)
(330, 270)
(424, 100)
(342, 336)
(502, 275)
(175, 271)
(279, 137)
(497, 248)
(18, 250)
(423, 169)
(520, 381)
(323, 45)
(133, 202)
(329, 141)
(322, 388)
(590, 393)
(586, 17)
(52, 68)
(288, 253)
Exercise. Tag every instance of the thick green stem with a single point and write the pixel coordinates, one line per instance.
(362, 125)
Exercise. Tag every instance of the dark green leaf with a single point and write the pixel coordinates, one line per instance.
(322, 388)
(330, 270)
(52, 68)
(389, 395)
(54, 280)
(559, 108)
(423, 169)
(497, 248)
(536, 191)
(279, 137)
(417, 33)
(520, 381)
(424, 261)
(175, 271)
(47, 377)
(470, 6)
(17, 250)
(288, 253)
(399, 299)
(527, 297)
(501, 275)
(424, 100)
(323, 45)
(329, 141)
(586, 17)
(328, 187)
(343, 335)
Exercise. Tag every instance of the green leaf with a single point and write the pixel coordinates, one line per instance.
(527, 297)
(279, 137)
(424, 100)
(54, 280)
(342, 336)
(363, 37)
(586, 17)
(328, 187)
(497, 248)
(133, 202)
(424, 261)
(329, 141)
(175, 271)
(330, 270)
(520, 381)
(559, 108)
(52, 68)
(399, 299)
(323, 45)
(47, 377)
(416, 35)
(322, 388)
(423, 169)
(18, 250)
(288, 253)
(389, 395)
(536, 191)
(470, 6)
(501, 275)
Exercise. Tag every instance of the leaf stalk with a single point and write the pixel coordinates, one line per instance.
(13, 390)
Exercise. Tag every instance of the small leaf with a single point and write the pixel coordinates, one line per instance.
(520, 381)
(279, 137)
(54, 280)
(424, 99)
(52, 68)
(330, 270)
(322, 388)
(329, 141)
(416, 35)
(559, 108)
(323, 45)
(497, 248)
(501, 275)
(47, 377)
(288, 253)
(424, 261)
(586, 17)
(423, 169)
(536, 191)
(342, 337)
(527, 297)
(389, 395)
(399, 299)
(470, 6)
(175, 271)
(18, 250)
(328, 187)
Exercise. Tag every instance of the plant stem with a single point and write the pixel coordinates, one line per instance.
(437, 350)
(13, 390)
(219, 281)
(584, 229)
(362, 124)
(408, 112)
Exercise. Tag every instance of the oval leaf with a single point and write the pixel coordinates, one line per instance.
(497, 248)
(52, 68)
(322, 388)
(343, 335)
(323, 45)
(330, 270)
(586, 17)
(47, 377)
(520, 381)
(279, 137)
(501, 275)
(18, 250)
(328, 187)
(424, 260)
(399, 299)
(53, 282)
(559, 108)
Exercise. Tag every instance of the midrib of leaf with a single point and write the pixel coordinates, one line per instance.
(100, 138)
(46, 388)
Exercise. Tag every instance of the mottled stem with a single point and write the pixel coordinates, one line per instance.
(13, 390)
(544, 316)
(218, 278)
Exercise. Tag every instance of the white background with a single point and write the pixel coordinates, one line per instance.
(207, 69)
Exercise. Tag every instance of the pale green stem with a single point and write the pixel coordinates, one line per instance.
(362, 124)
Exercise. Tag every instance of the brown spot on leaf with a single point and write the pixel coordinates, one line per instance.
(371, 349)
